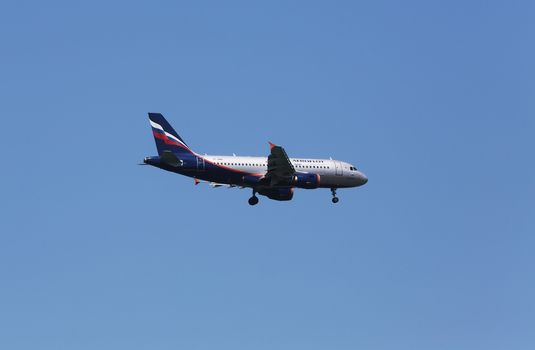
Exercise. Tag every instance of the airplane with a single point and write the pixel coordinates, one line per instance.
(275, 176)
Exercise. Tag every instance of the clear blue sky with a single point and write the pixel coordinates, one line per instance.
(433, 100)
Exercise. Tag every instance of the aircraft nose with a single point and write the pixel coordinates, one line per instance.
(362, 178)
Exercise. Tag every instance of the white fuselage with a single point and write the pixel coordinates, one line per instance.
(333, 173)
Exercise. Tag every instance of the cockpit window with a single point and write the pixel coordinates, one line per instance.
(353, 168)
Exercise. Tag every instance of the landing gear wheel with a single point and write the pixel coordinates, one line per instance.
(253, 200)
(335, 199)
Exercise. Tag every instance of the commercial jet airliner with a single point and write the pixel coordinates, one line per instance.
(274, 176)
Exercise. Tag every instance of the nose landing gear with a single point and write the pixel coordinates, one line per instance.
(254, 199)
(335, 199)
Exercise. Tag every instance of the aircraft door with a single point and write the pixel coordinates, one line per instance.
(338, 168)
(200, 164)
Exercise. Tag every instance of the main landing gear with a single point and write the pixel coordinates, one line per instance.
(254, 199)
(335, 199)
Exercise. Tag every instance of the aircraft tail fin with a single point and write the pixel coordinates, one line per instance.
(167, 139)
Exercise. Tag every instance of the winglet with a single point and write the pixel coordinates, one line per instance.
(271, 145)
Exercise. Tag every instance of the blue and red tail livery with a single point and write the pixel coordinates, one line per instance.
(167, 139)
(275, 176)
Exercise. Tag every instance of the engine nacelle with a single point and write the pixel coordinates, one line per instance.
(278, 194)
(308, 181)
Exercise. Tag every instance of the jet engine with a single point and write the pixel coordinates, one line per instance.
(278, 193)
(308, 181)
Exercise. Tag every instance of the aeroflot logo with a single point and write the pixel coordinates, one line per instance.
(159, 127)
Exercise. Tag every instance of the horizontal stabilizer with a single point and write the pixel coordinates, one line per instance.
(169, 158)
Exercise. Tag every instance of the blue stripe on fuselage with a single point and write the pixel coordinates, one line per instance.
(212, 172)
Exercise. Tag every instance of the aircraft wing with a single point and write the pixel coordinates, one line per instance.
(279, 170)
